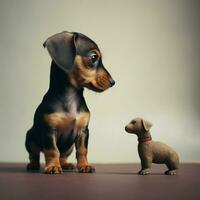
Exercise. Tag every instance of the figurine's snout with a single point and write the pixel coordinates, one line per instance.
(127, 129)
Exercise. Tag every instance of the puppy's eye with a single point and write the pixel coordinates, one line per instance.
(93, 58)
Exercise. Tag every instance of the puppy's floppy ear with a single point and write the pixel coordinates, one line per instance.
(146, 124)
(84, 44)
(62, 50)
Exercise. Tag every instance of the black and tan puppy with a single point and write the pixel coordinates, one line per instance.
(61, 120)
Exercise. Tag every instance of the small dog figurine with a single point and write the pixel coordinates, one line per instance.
(61, 120)
(152, 151)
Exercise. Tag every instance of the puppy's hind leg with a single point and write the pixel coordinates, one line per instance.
(63, 159)
(34, 154)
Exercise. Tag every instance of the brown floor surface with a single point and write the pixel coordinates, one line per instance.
(111, 181)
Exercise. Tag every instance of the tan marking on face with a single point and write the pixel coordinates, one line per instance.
(102, 80)
(83, 75)
(59, 120)
(82, 120)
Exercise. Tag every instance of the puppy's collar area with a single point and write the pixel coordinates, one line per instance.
(144, 139)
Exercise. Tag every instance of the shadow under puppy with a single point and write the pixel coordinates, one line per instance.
(62, 118)
(152, 151)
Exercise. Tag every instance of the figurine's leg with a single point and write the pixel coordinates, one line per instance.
(63, 159)
(146, 166)
(171, 172)
(81, 144)
(172, 167)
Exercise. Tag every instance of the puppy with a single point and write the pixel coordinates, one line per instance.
(61, 120)
(152, 151)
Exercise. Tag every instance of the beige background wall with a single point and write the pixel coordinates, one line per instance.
(150, 47)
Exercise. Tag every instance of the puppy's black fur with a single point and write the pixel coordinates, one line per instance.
(61, 120)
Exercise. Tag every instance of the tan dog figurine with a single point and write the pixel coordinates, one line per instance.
(151, 151)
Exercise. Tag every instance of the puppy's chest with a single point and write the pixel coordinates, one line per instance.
(71, 117)
(66, 122)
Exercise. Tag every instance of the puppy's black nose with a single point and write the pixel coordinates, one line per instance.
(112, 82)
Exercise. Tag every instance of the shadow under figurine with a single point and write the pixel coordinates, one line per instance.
(152, 151)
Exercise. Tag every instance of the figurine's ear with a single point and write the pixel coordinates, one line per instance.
(146, 124)
(62, 50)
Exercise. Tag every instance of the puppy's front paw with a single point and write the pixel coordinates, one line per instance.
(144, 172)
(86, 169)
(53, 169)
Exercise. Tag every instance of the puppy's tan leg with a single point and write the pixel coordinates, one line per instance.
(63, 159)
(52, 157)
(81, 153)
(52, 162)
